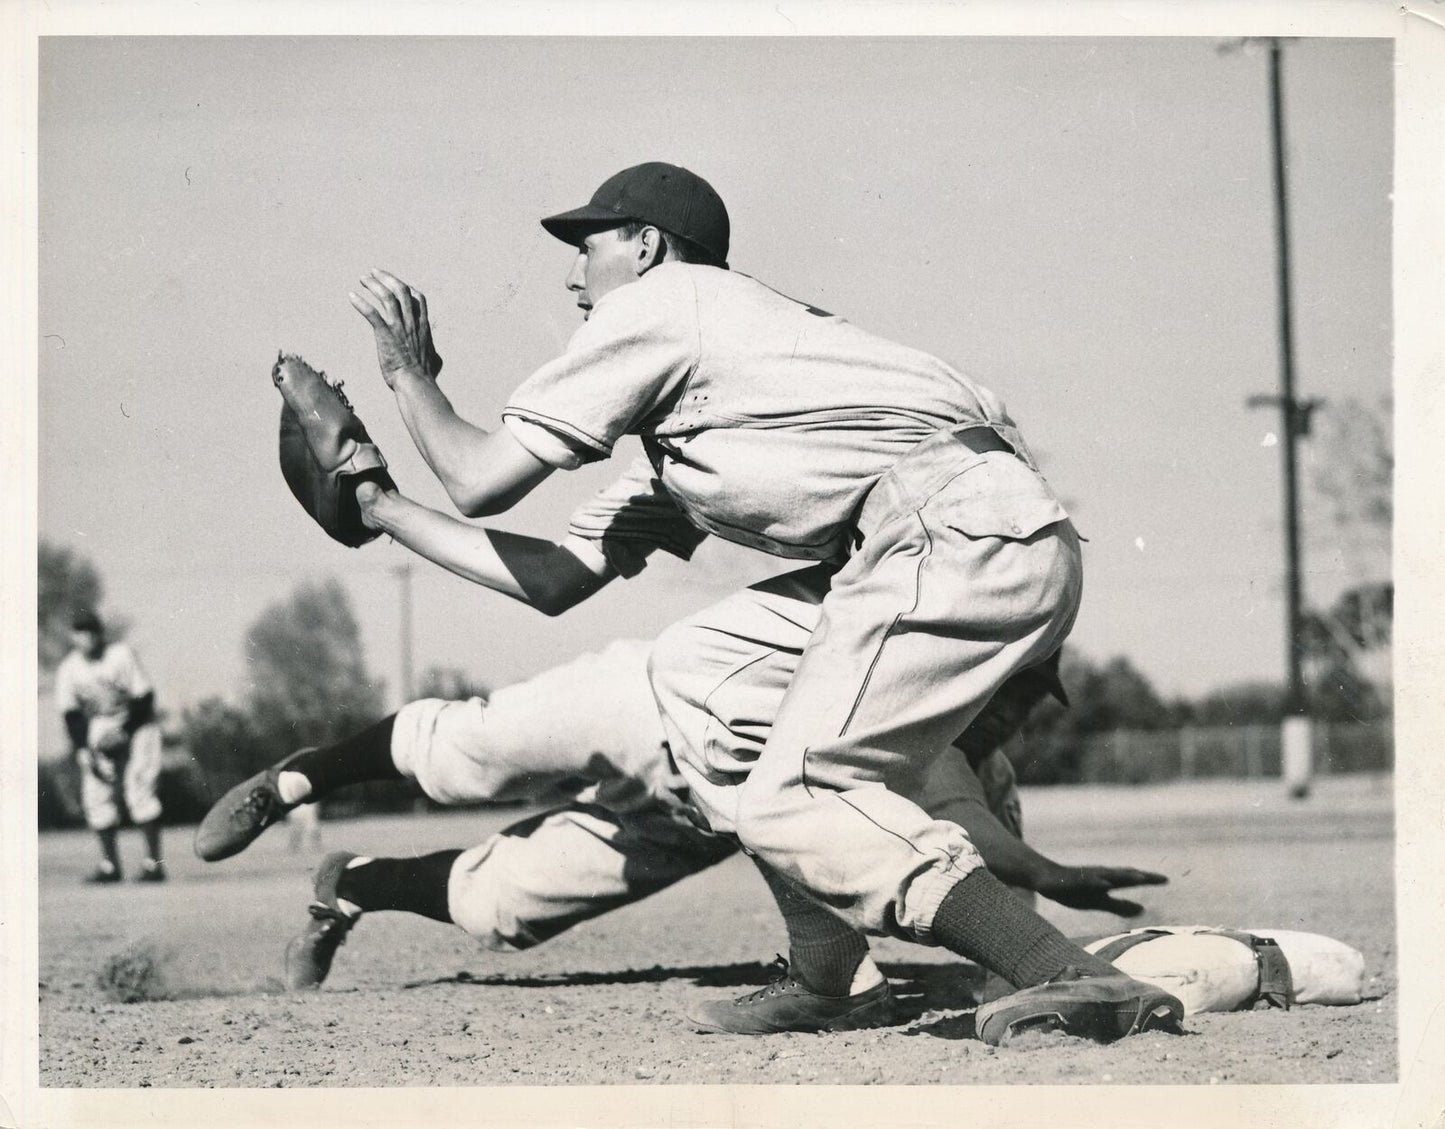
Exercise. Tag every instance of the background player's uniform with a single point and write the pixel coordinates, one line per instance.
(103, 689)
(626, 835)
(951, 565)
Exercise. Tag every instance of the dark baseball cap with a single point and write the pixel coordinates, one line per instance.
(666, 196)
(85, 620)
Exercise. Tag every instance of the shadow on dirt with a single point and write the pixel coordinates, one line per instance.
(707, 976)
(918, 988)
(922, 991)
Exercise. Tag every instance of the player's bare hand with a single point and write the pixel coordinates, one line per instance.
(1092, 887)
(398, 317)
(107, 735)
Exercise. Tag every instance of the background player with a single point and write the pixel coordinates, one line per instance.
(108, 706)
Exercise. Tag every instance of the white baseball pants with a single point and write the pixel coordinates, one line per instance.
(593, 719)
(803, 711)
(137, 773)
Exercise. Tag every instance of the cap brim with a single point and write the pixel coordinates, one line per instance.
(574, 226)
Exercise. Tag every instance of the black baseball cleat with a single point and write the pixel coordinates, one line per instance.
(238, 817)
(1099, 1007)
(152, 870)
(309, 954)
(786, 1005)
(104, 875)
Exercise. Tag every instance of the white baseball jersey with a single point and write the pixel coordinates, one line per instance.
(101, 687)
(766, 421)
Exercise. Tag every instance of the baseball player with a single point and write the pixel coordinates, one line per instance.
(802, 710)
(621, 839)
(108, 706)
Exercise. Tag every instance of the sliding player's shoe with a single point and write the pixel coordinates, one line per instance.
(238, 817)
(310, 952)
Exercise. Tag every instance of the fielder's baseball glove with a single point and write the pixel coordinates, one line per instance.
(325, 450)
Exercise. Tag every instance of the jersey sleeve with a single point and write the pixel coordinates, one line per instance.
(627, 363)
(548, 445)
(129, 673)
(632, 518)
(65, 696)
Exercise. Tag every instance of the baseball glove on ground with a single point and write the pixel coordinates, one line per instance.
(325, 450)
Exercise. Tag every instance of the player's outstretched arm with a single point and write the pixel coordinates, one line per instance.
(484, 472)
(541, 574)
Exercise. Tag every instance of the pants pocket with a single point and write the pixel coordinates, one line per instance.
(999, 497)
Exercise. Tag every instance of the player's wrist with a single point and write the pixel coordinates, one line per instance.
(372, 502)
(1048, 876)
(408, 378)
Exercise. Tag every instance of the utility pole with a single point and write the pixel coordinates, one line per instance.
(403, 574)
(1295, 415)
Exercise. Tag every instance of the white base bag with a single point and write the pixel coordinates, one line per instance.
(1214, 969)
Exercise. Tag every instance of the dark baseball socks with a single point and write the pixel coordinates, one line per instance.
(109, 850)
(352, 760)
(152, 833)
(825, 954)
(413, 885)
(981, 920)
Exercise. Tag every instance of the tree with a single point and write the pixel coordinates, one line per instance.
(310, 685)
(1353, 472)
(224, 743)
(1348, 644)
(1348, 648)
(67, 582)
(1242, 703)
(1115, 695)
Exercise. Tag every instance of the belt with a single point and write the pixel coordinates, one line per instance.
(981, 440)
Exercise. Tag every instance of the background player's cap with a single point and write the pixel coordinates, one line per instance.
(666, 196)
(85, 620)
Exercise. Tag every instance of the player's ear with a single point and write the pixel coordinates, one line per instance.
(651, 249)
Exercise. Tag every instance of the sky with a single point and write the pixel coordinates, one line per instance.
(1083, 225)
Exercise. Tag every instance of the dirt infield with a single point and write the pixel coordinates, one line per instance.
(413, 1003)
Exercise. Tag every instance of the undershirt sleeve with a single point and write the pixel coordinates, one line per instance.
(631, 519)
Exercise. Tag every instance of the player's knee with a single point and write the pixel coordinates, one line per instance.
(756, 822)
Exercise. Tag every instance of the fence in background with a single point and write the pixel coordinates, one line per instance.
(1146, 757)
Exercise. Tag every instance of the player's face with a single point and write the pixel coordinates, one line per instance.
(87, 643)
(604, 262)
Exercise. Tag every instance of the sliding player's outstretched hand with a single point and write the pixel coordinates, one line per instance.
(1092, 887)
